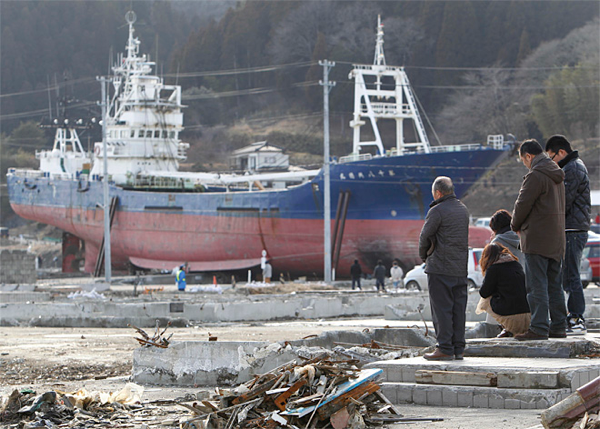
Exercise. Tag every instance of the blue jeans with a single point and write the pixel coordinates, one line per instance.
(448, 300)
(356, 281)
(571, 280)
(545, 295)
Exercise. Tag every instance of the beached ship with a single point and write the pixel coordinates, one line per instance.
(162, 217)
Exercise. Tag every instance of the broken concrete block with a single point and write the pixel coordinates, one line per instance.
(529, 380)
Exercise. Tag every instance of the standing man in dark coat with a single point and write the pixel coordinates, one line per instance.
(539, 218)
(578, 210)
(379, 274)
(444, 246)
(355, 273)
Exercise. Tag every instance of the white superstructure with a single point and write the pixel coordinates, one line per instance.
(144, 119)
(384, 92)
(67, 156)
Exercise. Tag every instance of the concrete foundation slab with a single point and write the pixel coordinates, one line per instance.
(509, 347)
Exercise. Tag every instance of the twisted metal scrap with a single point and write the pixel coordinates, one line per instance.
(157, 339)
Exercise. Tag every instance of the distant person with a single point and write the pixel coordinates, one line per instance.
(356, 273)
(500, 226)
(396, 273)
(267, 272)
(503, 293)
(180, 278)
(598, 219)
(379, 274)
(539, 218)
(444, 247)
(578, 211)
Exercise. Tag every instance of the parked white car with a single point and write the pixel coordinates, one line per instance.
(417, 279)
(483, 221)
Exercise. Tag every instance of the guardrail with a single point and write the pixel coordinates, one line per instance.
(355, 157)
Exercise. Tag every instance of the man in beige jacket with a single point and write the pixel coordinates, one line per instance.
(539, 218)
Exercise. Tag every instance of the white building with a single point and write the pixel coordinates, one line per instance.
(259, 156)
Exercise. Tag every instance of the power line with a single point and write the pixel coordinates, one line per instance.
(229, 72)
(479, 68)
(51, 88)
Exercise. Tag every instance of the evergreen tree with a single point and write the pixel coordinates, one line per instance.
(524, 46)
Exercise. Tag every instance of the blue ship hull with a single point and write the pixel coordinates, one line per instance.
(389, 198)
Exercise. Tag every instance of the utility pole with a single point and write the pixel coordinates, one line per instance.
(107, 258)
(327, 65)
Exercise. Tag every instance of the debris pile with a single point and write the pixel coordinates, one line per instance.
(157, 340)
(583, 406)
(315, 393)
(81, 409)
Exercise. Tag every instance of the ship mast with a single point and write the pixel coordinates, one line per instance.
(372, 102)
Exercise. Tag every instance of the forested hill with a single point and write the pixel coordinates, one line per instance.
(66, 44)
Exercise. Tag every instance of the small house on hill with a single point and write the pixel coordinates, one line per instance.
(259, 156)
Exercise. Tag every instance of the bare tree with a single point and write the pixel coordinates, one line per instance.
(295, 38)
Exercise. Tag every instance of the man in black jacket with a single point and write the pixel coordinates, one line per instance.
(577, 224)
(355, 273)
(444, 246)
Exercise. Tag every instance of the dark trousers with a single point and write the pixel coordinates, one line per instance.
(545, 294)
(380, 283)
(571, 277)
(448, 300)
(356, 280)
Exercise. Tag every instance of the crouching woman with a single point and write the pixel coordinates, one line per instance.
(503, 294)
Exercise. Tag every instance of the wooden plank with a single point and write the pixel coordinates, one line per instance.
(386, 401)
(456, 378)
(282, 399)
(326, 410)
(257, 391)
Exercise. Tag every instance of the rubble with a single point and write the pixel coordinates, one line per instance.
(157, 340)
(227, 363)
(81, 409)
(585, 400)
(303, 393)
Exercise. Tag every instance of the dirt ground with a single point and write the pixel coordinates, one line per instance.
(98, 359)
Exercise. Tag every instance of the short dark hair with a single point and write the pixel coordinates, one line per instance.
(500, 220)
(558, 142)
(531, 146)
(379, 262)
(444, 185)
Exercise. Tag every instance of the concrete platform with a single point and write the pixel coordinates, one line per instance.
(508, 347)
(522, 382)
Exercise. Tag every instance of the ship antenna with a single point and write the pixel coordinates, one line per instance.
(131, 17)
(49, 97)
(379, 59)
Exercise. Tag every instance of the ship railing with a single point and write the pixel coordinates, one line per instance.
(355, 157)
(376, 67)
(456, 148)
(26, 173)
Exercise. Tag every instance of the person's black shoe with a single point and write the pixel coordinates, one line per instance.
(561, 334)
(505, 334)
(530, 336)
(459, 356)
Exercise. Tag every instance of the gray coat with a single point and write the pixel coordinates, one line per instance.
(444, 240)
(511, 241)
(578, 207)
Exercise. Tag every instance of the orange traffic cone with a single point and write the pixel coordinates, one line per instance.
(215, 280)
